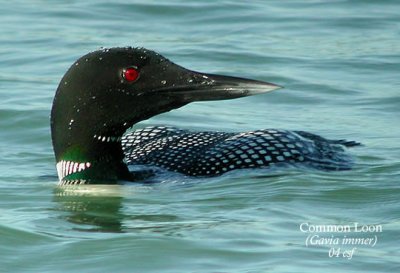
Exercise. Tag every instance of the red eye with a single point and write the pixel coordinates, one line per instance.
(130, 74)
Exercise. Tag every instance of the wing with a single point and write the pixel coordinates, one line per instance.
(213, 153)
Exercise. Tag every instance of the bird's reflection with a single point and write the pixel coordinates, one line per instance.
(91, 208)
(111, 208)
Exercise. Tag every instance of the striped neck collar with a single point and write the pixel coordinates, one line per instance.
(67, 168)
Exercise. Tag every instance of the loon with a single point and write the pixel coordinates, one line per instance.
(107, 91)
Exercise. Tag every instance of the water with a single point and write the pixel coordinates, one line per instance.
(339, 62)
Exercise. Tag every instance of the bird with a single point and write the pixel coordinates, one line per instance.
(107, 91)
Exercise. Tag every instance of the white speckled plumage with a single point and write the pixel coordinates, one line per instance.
(213, 153)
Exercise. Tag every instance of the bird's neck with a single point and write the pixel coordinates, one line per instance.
(99, 159)
(86, 131)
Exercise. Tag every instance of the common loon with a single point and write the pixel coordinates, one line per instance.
(107, 91)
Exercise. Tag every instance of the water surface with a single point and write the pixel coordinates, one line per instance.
(339, 61)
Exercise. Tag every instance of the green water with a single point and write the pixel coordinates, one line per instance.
(339, 62)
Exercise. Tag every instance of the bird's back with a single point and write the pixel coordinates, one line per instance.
(214, 153)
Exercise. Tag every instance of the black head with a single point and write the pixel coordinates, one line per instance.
(107, 91)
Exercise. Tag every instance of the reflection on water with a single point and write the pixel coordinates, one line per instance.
(122, 209)
(95, 207)
(111, 208)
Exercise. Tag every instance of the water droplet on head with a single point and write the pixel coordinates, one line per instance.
(163, 82)
(100, 58)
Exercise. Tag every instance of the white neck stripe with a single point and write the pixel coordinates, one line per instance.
(65, 168)
(107, 138)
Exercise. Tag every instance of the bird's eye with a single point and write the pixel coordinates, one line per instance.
(130, 74)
